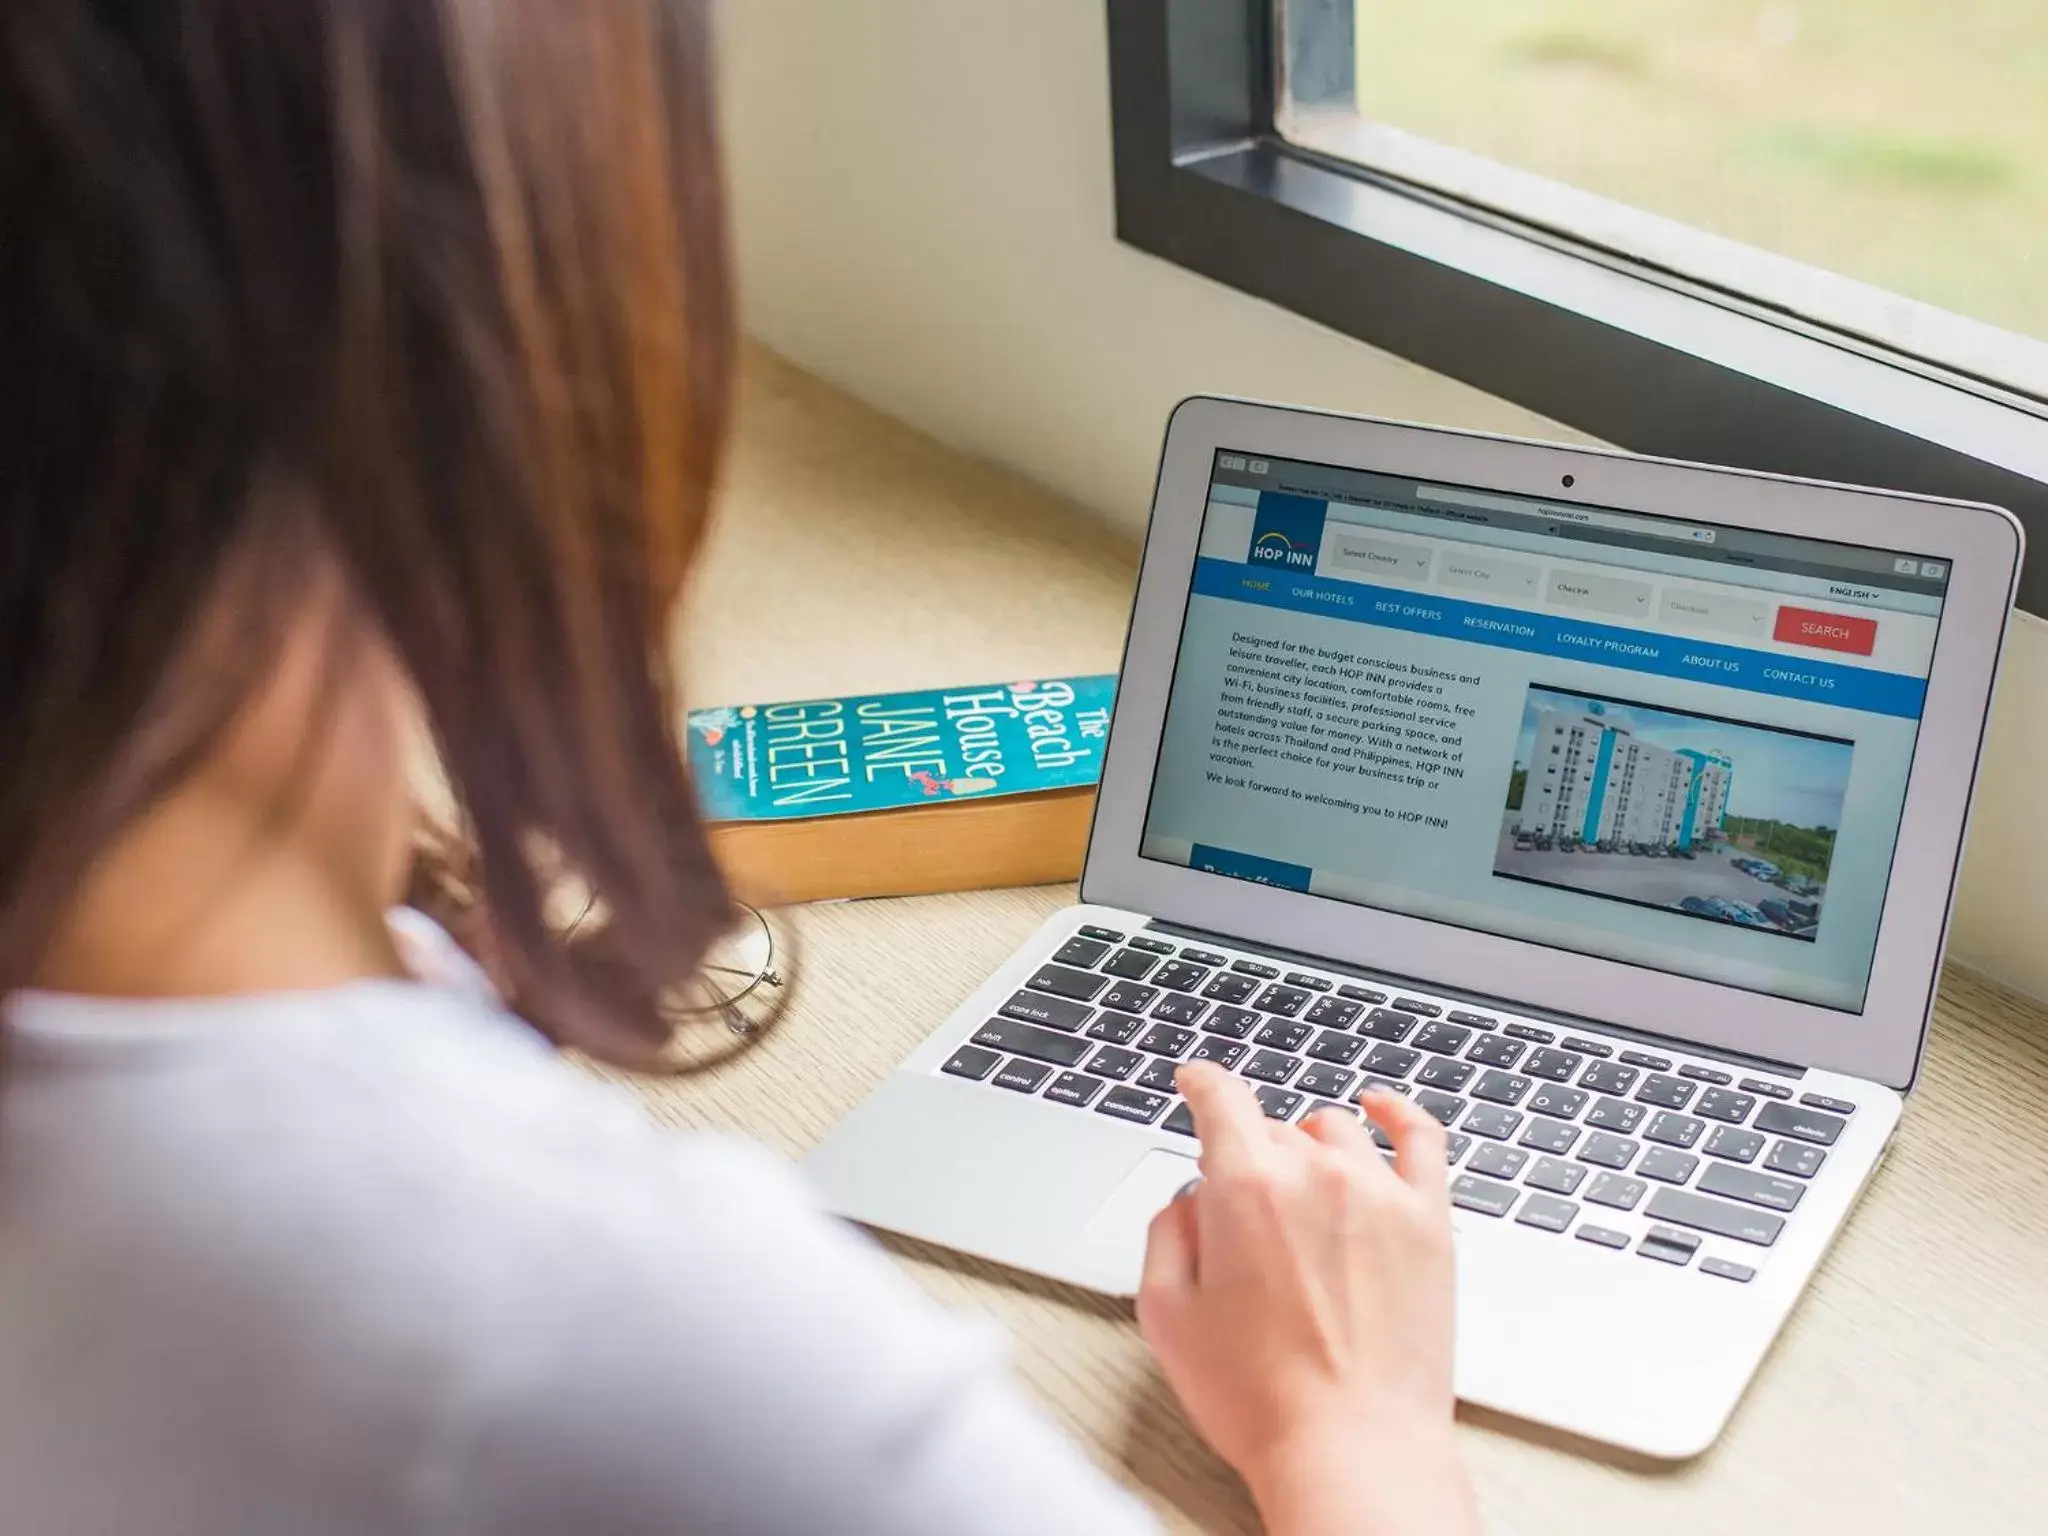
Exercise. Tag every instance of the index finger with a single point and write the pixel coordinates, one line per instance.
(1228, 1121)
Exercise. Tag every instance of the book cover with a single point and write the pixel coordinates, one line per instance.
(903, 793)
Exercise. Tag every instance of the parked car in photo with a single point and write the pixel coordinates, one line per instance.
(1698, 906)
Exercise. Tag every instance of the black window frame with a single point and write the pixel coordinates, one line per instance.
(1640, 357)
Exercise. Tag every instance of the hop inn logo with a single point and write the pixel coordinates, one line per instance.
(1286, 531)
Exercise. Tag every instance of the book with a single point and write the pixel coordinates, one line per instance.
(903, 794)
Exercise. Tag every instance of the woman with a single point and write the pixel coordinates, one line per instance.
(367, 376)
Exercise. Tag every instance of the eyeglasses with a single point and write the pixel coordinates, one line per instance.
(743, 985)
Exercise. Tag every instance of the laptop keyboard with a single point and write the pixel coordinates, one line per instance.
(1682, 1162)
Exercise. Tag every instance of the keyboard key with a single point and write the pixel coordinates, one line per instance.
(1726, 1104)
(1645, 1059)
(1180, 976)
(1384, 1084)
(1231, 1023)
(1327, 1082)
(1157, 946)
(1015, 1038)
(1333, 1012)
(1555, 1066)
(1335, 1045)
(1738, 1146)
(1491, 1121)
(1497, 1161)
(1767, 1089)
(1207, 957)
(1107, 935)
(1832, 1106)
(1684, 1208)
(1586, 1047)
(1225, 1053)
(1496, 1051)
(1666, 1092)
(1065, 981)
(1549, 1135)
(1081, 952)
(1754, 1188)
(1706, 1075)
(1482, 1195)
(1547, 1213)
(1116, 1028)
(1674, 1130)
(1666, 1253)
(1557, 1176)
(1129, 997)
(1443, 1106)
(1395, 1061)
(1418, 1007)
(1475, 1020)
(1133, 1104)
(1805, 1124)
(1335, 1106)
(1073, 1088)
(1053, 1012)
(1606, 1237)
(1617, 1191)
(1303, 979)
(1158, 1075)
(1228, 988)
(1454, 1147)
(1178, 1008)
(1667, 1165)
(1282, 1035)
(1371, 995)
(1609, 1151)
(1022, 1076)
(1113, 1061)
(972, 1061)
(1446, 1073)
(1564, 1103)
(1272, 1067)
(1501, 1087)
(1285, 1001)
(1531, 1032)
(1131, 964)
(1445, 1039)
(1257, 968)
(1167, 1040)
(1726, 1269)
(1278, 1103)
(1181, 1122)
(1386, 1024)
(1606, 1077)
(1801, 1162)
(1616, 1115)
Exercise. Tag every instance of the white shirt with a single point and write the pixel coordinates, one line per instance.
(371, 1259)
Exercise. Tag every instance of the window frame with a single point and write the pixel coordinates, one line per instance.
(1632, 354)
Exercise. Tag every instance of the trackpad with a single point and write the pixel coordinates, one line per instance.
(1110, 1252)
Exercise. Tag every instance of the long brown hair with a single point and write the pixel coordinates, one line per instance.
(434, 289)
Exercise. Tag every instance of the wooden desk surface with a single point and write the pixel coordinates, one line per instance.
(1908, 1393)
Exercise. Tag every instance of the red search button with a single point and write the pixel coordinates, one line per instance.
(1827, 631)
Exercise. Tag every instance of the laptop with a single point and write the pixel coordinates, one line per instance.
(1610, 807)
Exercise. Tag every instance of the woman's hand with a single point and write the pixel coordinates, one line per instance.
(1299, 1299)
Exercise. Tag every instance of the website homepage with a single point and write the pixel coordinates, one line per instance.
(1680, 745)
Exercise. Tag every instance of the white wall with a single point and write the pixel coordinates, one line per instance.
(925, 217)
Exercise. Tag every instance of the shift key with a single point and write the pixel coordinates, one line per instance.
(1021, 1039)
(1682, 1208)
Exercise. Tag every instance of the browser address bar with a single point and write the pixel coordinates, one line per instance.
(1655, 527)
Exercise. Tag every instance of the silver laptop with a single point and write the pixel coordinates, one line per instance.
(1609, 807)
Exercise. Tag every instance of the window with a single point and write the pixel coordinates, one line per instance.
(1802, 236)
(1899, 144)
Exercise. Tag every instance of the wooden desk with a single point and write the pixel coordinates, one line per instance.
(1910, 1391)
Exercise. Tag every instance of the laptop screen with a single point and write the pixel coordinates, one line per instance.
(1675, 744)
